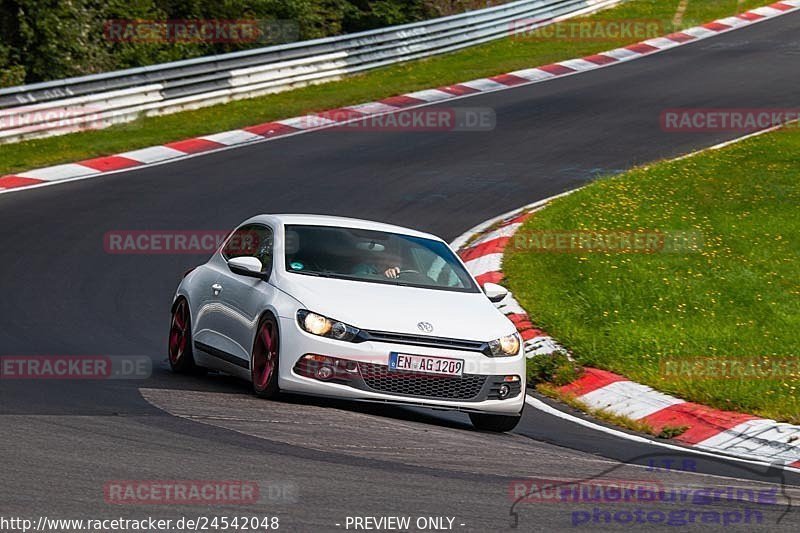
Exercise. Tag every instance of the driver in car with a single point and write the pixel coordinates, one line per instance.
(385, 263)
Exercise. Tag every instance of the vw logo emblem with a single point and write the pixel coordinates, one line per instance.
(427, 327)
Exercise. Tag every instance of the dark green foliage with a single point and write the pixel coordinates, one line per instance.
(557, 369)
(51, 39)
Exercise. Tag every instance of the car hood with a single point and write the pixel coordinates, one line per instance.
(398, 309)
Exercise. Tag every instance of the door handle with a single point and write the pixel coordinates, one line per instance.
(217, 288)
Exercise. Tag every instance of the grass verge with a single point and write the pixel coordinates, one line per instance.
(667, 432)
(486, 60)
(716, 323)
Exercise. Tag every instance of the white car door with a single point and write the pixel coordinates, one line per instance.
(243, 298)
(204, 300)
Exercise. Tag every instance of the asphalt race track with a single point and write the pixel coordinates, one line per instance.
(61, 442)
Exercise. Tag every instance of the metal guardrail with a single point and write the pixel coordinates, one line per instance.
(97, 101)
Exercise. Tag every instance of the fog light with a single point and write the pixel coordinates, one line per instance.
(504, 391)
(326, 368)
(346, 365)
(324, 372)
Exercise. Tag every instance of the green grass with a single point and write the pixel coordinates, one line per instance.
(602, 414)
(490, 59)
(734, 297)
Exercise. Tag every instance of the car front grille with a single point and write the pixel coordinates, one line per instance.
(380, 379)
(423, 340)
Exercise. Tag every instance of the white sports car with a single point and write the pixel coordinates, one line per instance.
(350, 309)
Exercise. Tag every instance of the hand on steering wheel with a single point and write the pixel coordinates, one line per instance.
(395, 272)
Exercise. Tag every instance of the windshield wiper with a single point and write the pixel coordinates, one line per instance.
(314, 273)
(346, 277)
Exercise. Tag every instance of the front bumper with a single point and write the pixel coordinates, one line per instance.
(475, 391)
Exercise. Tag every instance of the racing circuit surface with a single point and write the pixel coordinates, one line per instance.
(63, 294)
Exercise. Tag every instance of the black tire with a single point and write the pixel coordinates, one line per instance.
(496, 423)
(264, 361)
(179, 347)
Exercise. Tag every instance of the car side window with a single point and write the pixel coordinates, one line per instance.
(436, 268)
(253, 240)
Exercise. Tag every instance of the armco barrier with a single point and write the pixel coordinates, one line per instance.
(97, 101)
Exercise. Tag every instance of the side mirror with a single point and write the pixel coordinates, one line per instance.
(494, 292)
(247, 266)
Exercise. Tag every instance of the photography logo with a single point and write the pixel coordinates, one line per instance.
(600, 500)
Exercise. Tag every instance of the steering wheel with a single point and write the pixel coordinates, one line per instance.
(414, 276)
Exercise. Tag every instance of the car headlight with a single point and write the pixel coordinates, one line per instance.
(325, 327)
(504, 346)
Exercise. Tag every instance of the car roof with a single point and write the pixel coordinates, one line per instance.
(345, 222)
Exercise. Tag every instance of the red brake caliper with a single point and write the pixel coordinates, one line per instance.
(267, 339)
(178, 333)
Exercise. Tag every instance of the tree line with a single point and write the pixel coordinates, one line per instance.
(52, 39)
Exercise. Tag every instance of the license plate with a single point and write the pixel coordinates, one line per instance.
(425, 364)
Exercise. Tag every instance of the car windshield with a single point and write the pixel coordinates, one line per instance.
(374, 256)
